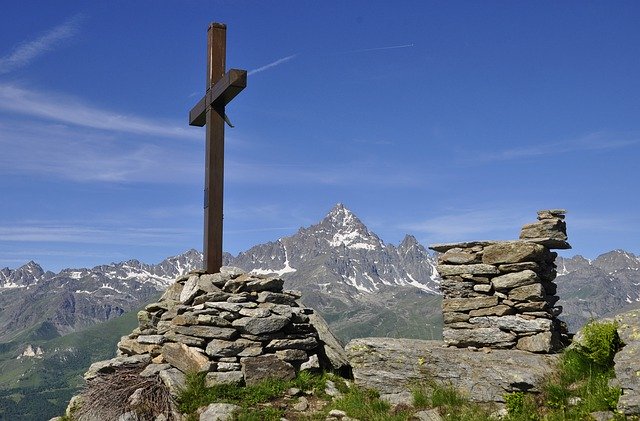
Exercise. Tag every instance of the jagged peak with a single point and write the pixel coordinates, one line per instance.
(408, 241)
(340, 215)
(30, 266)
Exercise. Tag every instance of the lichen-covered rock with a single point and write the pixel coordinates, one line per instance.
(513, 252)
(263, 367)
(626, 361)
(392, 366)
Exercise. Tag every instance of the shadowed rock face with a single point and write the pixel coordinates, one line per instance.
(391, 366)
(627, 360)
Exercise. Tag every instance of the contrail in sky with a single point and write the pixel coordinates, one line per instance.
(24, 53)
(274, 64)
(391, 47)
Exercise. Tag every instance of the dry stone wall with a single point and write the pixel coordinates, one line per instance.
(501, 294)
(237, 328)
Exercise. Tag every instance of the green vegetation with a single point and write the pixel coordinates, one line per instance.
(581, 383)
(38, 389)
(578, 388)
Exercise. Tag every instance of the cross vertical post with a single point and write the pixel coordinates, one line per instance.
(210, 111)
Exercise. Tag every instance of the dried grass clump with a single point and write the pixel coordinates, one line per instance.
(109, 395)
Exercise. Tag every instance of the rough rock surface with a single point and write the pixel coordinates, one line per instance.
(392, 365)
(627, 362)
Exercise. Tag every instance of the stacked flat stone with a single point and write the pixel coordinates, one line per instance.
(238, 328)
(501, 294)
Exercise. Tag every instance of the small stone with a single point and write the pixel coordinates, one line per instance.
(153, 369)
(174, 379)
(482, 288)
(151, 339)
(185, 358)
(223, 377)
(294, 391)
(499, 310)
(222, 366)
(514, 280)
(231, 272)
(513, 252)
(427, 415)
(466, 304)
(312, 363)
(533, 292)
(477, 269)
(257, 369)
(290, 355)
(332, 390)
(337, 413)
(301, 405)
(190, 289)
(218, 412)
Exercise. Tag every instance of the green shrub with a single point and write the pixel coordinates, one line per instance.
(601, 342)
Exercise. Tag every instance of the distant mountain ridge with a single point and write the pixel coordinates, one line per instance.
(343, 269)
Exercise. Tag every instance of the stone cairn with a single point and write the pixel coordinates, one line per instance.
(237, 328)
(501, 294)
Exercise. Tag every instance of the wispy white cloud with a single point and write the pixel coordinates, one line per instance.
(26, 52)
(272, 64)
(472, 224)
(82, 155)
(50, 233)
(591, 142)
(70, 110)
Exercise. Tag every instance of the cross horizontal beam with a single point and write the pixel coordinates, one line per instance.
(225, 89)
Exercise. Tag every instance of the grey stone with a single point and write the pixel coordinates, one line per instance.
(222, 366)
(444, 247)
(172, 293)
(109, 366)
(187, 340)
(551, 243)
(454, 317)
(230, 272)
(224, 377)
(513, 323)
(255, 312)
(153, 369)
(476, 269)
(133, 347)
(333, 348)
(207, 331)
(555, 229)
(222, 348)
(499, 310)
(212, 320)
(301, 405)
(519, 267)
(465, 304)
(542, 342)
(513, 252)
(174, 379)
(533, 292)
(459, 256)
(259, 326)
(216, 296)
(185, 358)
(626, 362)
(215, 278)
(514, 280)
(151, 339)
(551, 214)
(292, 355)
(219, 412)
(276, 298)
(482, 287)
(602, 416)
(258, 369)
(268, 284)
(481, 336)
(427, 415)
(311, 364)
(190, 289)
(391, 365)
(331, 389)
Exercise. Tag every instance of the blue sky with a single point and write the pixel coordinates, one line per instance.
(446, 120)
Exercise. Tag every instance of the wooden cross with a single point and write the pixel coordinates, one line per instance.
(221, 89)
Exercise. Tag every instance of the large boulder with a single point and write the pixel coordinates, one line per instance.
(392, 366)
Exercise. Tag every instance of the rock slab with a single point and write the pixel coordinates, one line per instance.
(391, 366)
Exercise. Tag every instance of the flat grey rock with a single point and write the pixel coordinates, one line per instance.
(393, 365)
